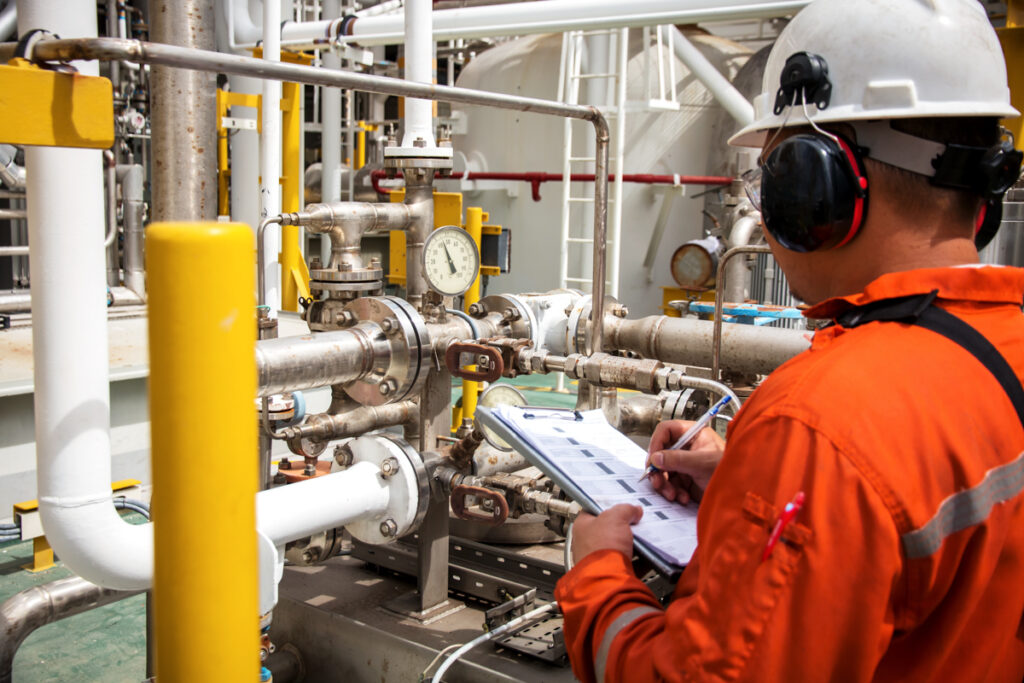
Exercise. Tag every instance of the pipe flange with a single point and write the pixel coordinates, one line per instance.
(407, 483)
(357, 275)
(517, 315)
(577, 331)
(401, 371)
(677, 405)
(368, 286)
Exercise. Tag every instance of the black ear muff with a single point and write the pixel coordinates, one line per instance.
(989, 219)
(813, 192)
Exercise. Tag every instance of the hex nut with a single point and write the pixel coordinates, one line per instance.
(388, 528)
(344, 318)
(343, 455)
(620, 311)
(389, 467)
(388, 386)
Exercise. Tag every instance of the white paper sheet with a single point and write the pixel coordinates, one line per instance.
(606, 466)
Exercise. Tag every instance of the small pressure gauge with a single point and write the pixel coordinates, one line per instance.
(499, 395)
(451, 260)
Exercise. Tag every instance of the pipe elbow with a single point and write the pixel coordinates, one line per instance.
(95, 543)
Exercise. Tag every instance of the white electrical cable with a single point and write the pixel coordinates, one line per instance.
(426, 671)
(489, 636)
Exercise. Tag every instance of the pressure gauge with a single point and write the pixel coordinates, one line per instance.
(450, 260)
(499, 395)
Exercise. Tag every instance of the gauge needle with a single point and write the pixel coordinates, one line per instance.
(451, 263)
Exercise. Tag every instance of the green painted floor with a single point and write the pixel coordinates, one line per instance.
(109, 643)
(105, 644)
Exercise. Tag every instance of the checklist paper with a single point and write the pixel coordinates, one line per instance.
(599, 466)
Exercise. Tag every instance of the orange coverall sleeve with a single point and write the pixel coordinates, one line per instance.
(818, 609)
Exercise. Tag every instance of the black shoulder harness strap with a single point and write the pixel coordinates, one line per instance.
(920, 310)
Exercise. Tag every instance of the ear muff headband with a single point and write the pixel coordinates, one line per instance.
(813, 192)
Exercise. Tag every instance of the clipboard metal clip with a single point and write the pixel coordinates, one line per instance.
(574, 415)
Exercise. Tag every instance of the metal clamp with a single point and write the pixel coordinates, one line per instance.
(497, 516)
(453, 359)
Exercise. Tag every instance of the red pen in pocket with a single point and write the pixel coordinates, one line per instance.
(789, 513)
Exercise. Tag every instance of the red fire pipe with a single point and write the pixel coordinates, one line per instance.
(535, 178)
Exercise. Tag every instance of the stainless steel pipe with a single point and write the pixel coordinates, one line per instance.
(318, 360)
(184, 115)
(134, 208)
(35, 607)
(716, 341)
(203, 60)
(14, 251)
(346, 223)
(419, 193)
(744, 348)
(325, 426)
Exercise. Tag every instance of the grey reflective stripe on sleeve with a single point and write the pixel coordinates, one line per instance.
(966, 508)
(621, 622)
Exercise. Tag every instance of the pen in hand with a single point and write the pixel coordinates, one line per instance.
(691, 433)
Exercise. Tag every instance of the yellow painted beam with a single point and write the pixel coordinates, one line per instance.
(471, 389)
(294, 272)
(1012, 40)
(54, 109)
(201, 363)
(447, 211)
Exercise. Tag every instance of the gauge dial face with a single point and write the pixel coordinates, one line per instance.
(450, 260)
(499, 395)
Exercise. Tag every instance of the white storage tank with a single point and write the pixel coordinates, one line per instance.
(659, 139)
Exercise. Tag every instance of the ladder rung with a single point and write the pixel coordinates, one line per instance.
(598, 75)
(577, 279)
(595, 32)
(579, 240)
(582, 159)
(581, 199)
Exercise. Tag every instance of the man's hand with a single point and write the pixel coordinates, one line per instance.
(684, 474)
(609, 530)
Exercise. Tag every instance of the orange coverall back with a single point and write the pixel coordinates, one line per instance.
(877, 580)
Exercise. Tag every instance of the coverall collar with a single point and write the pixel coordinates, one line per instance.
(979, 284)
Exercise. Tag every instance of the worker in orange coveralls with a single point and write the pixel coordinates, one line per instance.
(899, 430)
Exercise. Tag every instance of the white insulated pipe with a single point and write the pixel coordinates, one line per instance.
(287, 513)
(69, 345)
(330, 147)
(8, 20)
(270, 151)
(554, 16)
(419, 60)
(718, 85)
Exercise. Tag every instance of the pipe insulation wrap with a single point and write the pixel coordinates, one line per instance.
(556, 16)
(419, 60)
(287, 513)
(72, 393)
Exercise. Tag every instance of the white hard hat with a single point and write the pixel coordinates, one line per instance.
(889, 59)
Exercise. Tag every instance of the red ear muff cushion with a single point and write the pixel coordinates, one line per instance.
(860, 178)
(813, 192)
(989, 219)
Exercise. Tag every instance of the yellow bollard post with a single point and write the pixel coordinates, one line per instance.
(475, 227)
(202, 380)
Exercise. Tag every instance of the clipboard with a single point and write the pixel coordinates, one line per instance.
(540, 460)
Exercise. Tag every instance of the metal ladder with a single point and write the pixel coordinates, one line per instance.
(613, 106)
